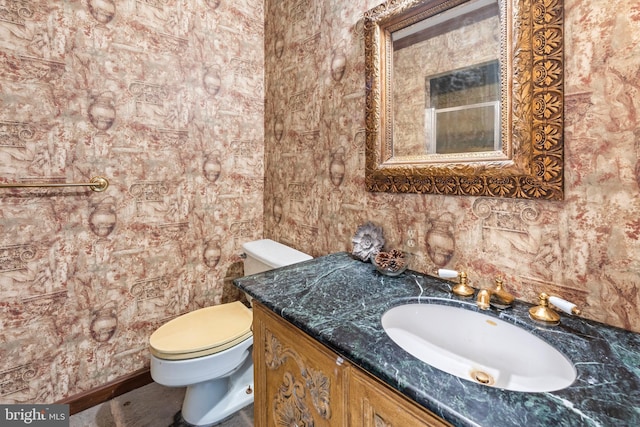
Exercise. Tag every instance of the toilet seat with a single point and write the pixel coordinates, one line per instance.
(202, 332)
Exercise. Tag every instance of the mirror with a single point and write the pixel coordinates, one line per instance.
(465, 97)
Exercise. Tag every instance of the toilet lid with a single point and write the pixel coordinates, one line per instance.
(202, 332)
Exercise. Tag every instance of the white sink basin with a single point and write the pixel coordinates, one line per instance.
(478, 348)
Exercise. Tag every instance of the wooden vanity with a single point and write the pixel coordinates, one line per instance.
(322, 357)
(299, 381)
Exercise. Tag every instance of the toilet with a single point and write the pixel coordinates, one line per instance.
(209, 350)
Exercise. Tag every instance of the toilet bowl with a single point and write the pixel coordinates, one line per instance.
(209, 350)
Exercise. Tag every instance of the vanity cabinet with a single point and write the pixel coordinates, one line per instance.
(374, 404)
(299, 381)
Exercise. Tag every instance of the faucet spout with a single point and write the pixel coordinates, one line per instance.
(483, 300)
(497, 297)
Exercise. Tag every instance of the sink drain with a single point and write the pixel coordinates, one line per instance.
(482, 377)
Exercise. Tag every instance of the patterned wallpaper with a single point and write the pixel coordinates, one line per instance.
(165, 99)
(585, 248)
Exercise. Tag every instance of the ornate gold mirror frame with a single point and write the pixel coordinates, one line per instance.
(532, 73)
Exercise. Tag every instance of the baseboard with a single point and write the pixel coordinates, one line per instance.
(108, 391)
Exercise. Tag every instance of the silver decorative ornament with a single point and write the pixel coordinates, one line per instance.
(367, 242)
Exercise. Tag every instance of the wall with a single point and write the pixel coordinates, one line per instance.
(165, 99)
(584, 248)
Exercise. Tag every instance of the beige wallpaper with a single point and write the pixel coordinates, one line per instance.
(165, 99)
(584, 248)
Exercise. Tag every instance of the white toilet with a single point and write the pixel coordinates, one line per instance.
(209, 350)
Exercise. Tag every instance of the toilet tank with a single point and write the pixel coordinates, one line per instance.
(266, 254)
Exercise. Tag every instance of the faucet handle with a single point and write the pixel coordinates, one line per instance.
(544, 313)
(447, 274)
(564, 305)
(463, 288)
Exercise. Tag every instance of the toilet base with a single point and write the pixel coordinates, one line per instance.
(229, 394)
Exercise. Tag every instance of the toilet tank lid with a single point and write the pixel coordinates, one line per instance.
(274, 254)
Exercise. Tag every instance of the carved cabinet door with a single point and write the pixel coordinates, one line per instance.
(298, 381)
(373, 404)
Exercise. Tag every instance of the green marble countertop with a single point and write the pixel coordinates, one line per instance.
(339, 301)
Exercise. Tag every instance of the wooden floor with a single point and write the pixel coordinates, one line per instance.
(150, 406)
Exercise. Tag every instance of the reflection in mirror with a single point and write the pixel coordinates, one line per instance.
(448, 104)
(465, 97)
(462, 110)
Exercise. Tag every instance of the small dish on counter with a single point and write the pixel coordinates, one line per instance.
(392, 263)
